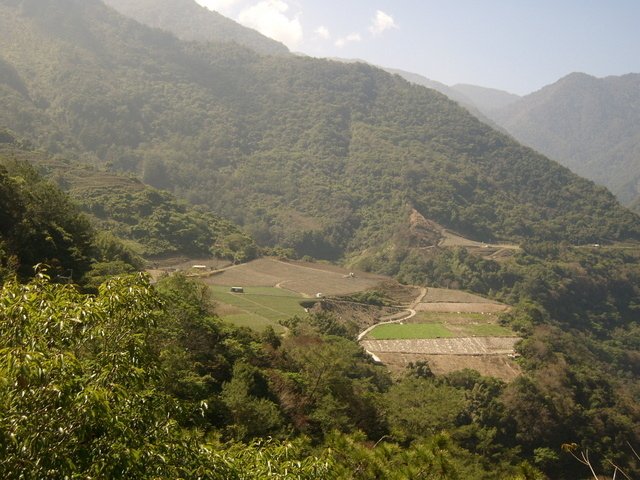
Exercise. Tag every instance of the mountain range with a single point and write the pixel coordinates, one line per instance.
(323, 157)
(586, 124)
(591, 125)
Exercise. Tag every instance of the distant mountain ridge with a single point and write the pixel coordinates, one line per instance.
(485, 99)
(457, 96)
(190, 21)
(589, 124)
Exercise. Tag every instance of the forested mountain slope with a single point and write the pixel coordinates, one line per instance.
(189, 21)
(591, 125)
(39, 224)
(152, 223)
(320, 156)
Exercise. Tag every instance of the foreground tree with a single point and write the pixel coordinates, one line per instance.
(81, 397)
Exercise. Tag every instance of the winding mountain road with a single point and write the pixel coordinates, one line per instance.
(410, 312)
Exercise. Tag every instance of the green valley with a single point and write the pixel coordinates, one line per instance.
(220, 260)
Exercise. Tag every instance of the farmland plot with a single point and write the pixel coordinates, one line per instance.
(461, 307)
(273, 289)
(257, 307)
(445, 346)
(451, 330)
(498, 366)
(307, 279)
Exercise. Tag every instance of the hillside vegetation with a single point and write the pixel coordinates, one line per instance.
(152, 223)
(322, 157)
(588, 124)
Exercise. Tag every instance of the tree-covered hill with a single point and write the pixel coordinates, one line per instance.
(454, 93)
(152, 223)
(38, 224)
(589, 124)
(189, 21)
(323, 157)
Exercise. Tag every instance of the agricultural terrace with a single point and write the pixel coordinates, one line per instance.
(273, 289)
(258, 307)
(306, 279)
(450, 330)
(438, 330)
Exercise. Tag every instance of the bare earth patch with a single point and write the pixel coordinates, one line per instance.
(461, 307)
(445, 346)
(491, 356)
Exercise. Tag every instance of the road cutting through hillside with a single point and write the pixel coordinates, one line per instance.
(406, 315)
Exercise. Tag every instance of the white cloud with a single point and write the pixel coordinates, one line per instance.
(270, 18)
(352, 37)
(323, 32)
(221, 6)
(382, 22)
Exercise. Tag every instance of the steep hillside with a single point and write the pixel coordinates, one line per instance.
(418, 79)
(323, 157)
(190, 21)
(152, 223)
(39, 224)
(588, 124)
(451, 92)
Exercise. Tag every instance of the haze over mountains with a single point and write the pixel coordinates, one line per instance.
(189, 21)
(586, 124)
(323, 157)
(591, 125)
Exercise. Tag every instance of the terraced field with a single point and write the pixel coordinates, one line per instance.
(307, 279)
(450, 330)
(439, 329)
(257, 307)
(273, 289)
(445, 346)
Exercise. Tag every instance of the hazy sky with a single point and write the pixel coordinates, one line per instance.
(514, 45)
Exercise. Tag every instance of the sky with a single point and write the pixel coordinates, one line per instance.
(513, 45)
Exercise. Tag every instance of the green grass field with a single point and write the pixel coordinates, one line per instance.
(258, 307)
(414, 331)
(410, 331)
